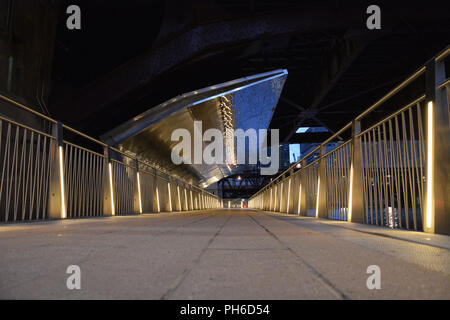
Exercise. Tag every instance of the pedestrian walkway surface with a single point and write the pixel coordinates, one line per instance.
(220, 254)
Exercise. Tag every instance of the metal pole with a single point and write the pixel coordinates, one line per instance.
(57, 199)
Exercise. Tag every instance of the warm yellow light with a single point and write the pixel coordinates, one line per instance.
(299, 198)
(229, 204)
(317, 199)
(157, 199)
(170, 196)
(430, 159)
(276, 199)
(139, 192)
(281, 197)
(350, 195)
(270, 208)
(289, 196)
(192, 202)
(179, 198)
(61, 177)
(113, 212)
(185, 199)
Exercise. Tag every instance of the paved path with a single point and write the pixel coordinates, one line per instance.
(219, 254)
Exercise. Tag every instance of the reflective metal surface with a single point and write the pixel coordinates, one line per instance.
(243, 103)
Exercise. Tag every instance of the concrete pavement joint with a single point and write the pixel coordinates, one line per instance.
(187, 271)
(316, 273)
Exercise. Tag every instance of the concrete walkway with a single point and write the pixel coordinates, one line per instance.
(219, 254)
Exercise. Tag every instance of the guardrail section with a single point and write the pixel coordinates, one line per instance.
(392, 173)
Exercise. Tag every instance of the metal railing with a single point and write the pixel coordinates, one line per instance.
(45, 174)
(392, 173)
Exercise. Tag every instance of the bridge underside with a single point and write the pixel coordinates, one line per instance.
(220, 254)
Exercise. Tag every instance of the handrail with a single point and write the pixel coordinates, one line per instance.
(411, 78)
(443, 54)
(84, 135)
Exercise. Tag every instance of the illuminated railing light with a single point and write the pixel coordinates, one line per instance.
(139, 193)
(270, 208)
(157, 199)
(281, 197)
(170, 196)
(61, 177)
(113, 212)
(179, 197)
(430, 159)
(276, 196)
(299, 198)
(317, 199)
(289, 196)
(350, 195)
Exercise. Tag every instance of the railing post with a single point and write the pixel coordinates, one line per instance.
(301, 205)
(321, 205)
(289, 191)
(137, 190)
(355, 192)
(282, 192)
(437, 158)
(57, 199)
(108, 189)
(156, 203)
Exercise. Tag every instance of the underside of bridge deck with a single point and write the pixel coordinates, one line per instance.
(220, 254)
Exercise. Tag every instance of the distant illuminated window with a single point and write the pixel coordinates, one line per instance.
(311, 129)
